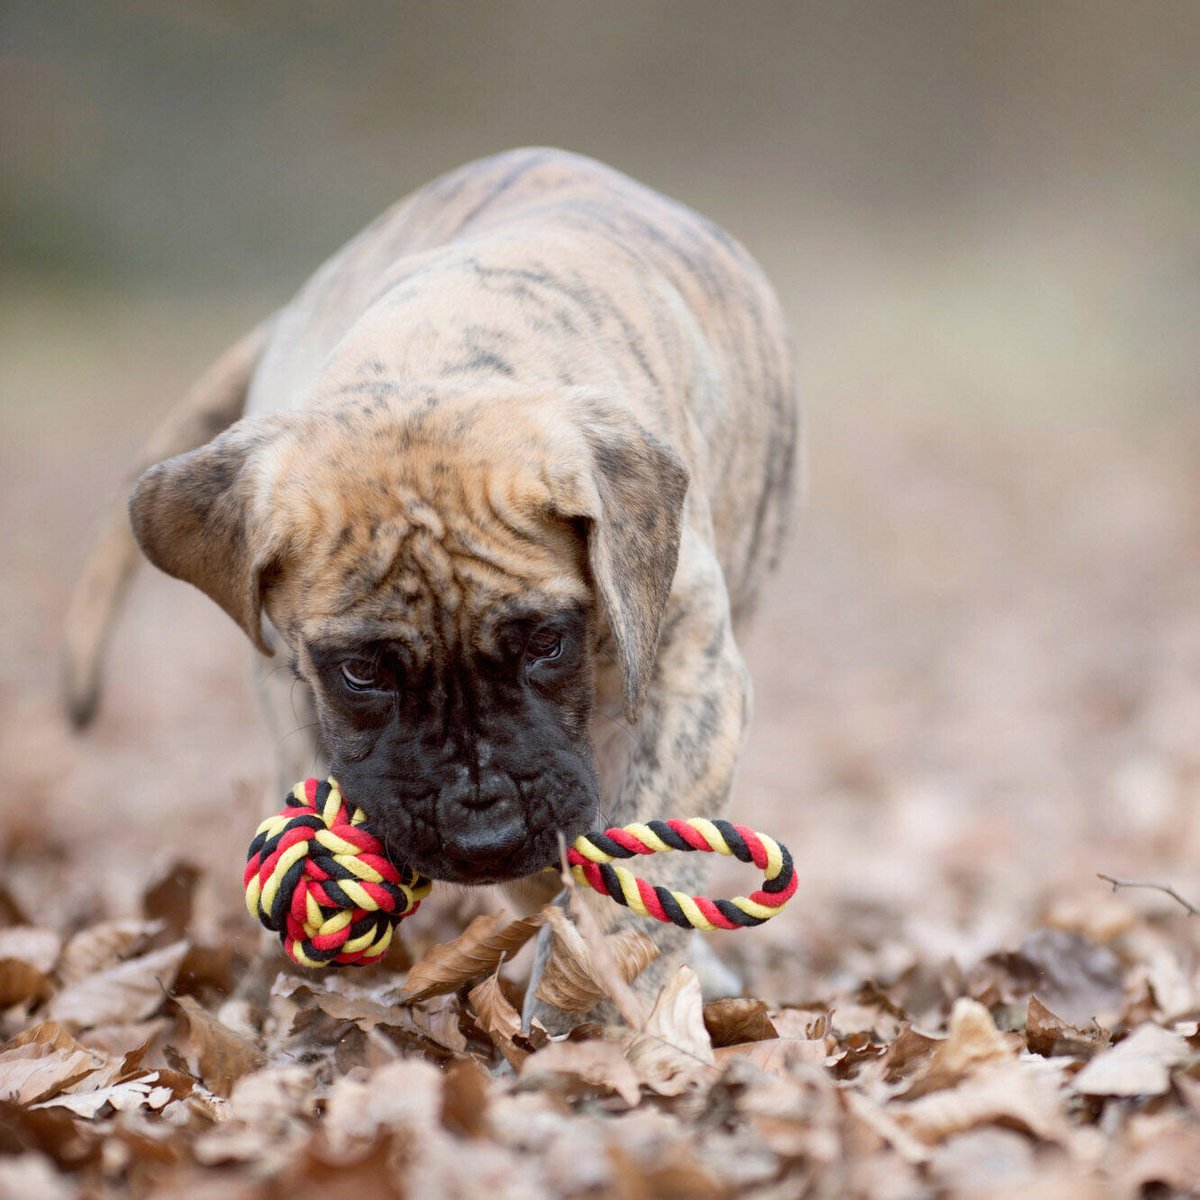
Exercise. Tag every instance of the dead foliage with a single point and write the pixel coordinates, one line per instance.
(113, 1080)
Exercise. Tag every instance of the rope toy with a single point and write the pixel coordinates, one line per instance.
(591, 863)
(319, 879)
(323, 882)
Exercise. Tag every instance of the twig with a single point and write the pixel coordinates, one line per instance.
(1117, 884)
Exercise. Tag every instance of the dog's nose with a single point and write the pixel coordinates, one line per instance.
(485, 844)
(481, 821)
(486, 791)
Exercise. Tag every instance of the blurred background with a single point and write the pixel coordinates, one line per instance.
(979, 673)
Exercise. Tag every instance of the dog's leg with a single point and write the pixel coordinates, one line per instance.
(213, 404)
(681, 760)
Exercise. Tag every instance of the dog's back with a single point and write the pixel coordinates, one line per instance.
(559, 260)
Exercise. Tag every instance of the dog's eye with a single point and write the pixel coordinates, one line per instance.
(363, 675)
(545, 643)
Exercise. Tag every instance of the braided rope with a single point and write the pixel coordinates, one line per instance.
(591, 862)
(316, 876)
(319, 879)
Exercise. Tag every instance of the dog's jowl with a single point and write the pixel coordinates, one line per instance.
(503, 483)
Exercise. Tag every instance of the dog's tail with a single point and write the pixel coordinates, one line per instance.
(214, 403)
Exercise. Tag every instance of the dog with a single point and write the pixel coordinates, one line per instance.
(503, 484)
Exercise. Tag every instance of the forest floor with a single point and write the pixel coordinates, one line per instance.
(977, 687)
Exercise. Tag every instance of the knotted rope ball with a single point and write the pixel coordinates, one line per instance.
(319, 879)
(323, 882)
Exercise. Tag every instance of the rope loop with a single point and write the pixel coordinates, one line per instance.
(592, 862)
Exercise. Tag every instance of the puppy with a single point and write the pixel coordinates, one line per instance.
(502, 483)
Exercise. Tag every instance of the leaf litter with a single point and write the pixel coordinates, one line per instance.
(114, 1081)
(953, 1004)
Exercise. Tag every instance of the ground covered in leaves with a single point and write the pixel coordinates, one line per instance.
(977, 687)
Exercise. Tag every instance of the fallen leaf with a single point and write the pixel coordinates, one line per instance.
(264, 1120)
(606, 970)
(122, 1039)
(1049, 1035)
(21, 982)
(404, 1096)
(363, 1011)
(972, 1039)
(907, 1050)
(32, 1175)
(143, 1092)
(222, 1055)
(34, 1072)
(128, 991)
(673, 1053)
(732, 1021)
(997, 1092)
(500, 1021)
(1168, 1155)
(477, 952)
(55, 1134)
(39, 948)
(1005, 1159)
(1074, 977)
(464, 1109)
(583, 1068)
(1138, 1066)
(776, 1055)
(169, 899)
(571, 980)
(101, 946)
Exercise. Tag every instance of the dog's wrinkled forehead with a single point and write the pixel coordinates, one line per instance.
(420, 527)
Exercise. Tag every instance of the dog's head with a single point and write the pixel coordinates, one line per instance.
(444, 567)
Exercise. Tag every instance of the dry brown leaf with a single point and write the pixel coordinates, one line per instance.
(343, 1005)
(477, 952)
(36, 1071)
(499, 1020)
(606, 969)
(1138, 1066)
(31, 1175)
(222, 1056)
(908, 1049)
(122, 1039)
(264, 1120)
(169, 899)
(21, 982)
(1076, 978)
(581, 1068)
(1004, 1158)
(28, 943)
(1049, 1035)
(777, 1055)
(102, 946)
(142, 1092)
(1024, 1094)
(972, 1039)
(403, 1096)
(673, 1053)
(677, 1180)
(571, 980)
(738, 1020)
(464, 1108)
(128, 991)
(1167, 1154)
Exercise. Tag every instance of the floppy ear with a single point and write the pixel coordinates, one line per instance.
(634, 509)
(195, 517)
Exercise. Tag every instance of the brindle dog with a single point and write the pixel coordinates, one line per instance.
(509, 474)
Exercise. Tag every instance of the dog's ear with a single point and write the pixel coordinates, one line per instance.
(632, 499)
(197, 517)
